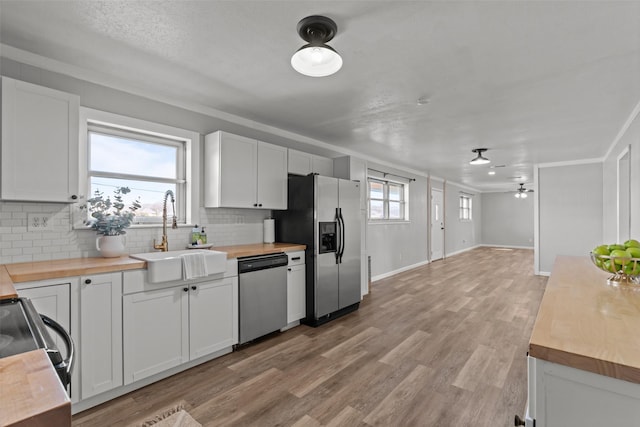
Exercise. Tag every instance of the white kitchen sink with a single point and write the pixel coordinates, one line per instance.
(167, 266)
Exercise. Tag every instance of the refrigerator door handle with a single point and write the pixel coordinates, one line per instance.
(342, 234)
(338, 238)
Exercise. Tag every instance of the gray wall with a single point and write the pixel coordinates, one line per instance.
(570, 211)
(394, 246)
(507, 221)
(630, 138)
(460, 235)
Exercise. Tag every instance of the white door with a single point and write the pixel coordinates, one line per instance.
(271, 177)
(238, 176)
(437, 224)
(52, 301)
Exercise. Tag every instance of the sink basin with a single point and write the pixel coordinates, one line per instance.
(167, 266)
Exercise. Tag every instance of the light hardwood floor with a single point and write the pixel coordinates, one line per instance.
(439, 345)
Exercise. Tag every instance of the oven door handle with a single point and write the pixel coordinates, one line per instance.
(66, 365)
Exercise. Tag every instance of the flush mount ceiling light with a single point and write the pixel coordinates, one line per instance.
(316, 59)
(479, 160)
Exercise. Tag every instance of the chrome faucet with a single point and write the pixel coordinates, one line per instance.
(164, 246)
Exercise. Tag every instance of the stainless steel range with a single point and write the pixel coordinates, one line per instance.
(22, 329)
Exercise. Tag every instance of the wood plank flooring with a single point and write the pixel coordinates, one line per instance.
(439, 345)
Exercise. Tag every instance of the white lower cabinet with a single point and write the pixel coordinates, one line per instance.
(560, 396)
(296, 281)
(167, 327)
(100, 350)
(52, 301)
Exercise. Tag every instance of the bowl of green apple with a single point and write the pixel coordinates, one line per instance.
(621, 259)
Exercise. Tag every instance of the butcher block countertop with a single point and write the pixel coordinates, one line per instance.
(42, 270)
(586, 324)
(31, 393)
(253, 249)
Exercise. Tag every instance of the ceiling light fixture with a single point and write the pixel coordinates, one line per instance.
(479, 160)
(316, 59)
(492, 172)
(522, 192)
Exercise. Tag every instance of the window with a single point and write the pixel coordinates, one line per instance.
(148, 158)
(148, 165)
(386, 200)
(465, 207)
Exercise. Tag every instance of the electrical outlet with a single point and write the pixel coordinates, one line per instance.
(39, 222)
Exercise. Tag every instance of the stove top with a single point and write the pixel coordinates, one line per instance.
(16, 335)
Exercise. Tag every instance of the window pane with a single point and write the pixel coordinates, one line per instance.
(151, 196)
(395, 192)
(395, 210)
(376, 209)
(376, 190)
(115, 154)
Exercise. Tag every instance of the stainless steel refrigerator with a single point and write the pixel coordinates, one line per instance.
(323, 213)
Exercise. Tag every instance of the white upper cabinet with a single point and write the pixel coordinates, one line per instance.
(301, 163)
(39, 143)
(240, 172)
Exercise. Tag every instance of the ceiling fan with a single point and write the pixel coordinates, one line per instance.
(521, 192)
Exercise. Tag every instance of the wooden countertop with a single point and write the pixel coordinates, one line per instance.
(42, 270)
(6, 284)
(253, 249)
(31, 393)
(586, 324)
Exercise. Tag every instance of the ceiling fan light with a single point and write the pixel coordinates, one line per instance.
(517, 195)
(523, 195)
(316, 60)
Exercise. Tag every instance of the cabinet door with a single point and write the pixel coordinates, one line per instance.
(213, 310)
(39, 143)
(52, 301)
(272, 176)
(295, 293)
(322, 166)
(156, 329)
(100, 333)
(299, 163)
(238, 167)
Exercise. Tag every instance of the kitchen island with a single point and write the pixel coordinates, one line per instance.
(584, 351)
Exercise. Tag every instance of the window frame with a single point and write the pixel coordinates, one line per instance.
(187, 164)
(465, 212)
(386, 201)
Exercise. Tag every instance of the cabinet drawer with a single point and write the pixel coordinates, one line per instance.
(296, 258)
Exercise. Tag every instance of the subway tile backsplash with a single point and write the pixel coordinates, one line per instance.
(20, 242)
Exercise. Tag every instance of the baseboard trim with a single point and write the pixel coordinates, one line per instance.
(400, 270)
(507, 246)
(462, 250)
(543, 273)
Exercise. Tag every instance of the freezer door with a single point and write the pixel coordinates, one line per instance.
(349, 267)
(326, 267)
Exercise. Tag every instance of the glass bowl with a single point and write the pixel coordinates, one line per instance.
(626, 271)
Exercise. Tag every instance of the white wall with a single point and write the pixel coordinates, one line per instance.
(507, 221)
(630, 138)
(570, 211)
(395, 246)
(460, 235)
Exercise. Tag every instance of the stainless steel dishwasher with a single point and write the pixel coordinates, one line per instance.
(262, 282)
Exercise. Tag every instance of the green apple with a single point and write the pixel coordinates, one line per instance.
(632, 269)
(607, 266)
(633, 252)
(601, 250)
(632, 244)
(616, 246)
(620, 257)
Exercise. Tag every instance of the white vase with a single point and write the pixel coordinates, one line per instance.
(111, 246)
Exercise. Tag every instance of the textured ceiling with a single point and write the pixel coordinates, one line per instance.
(535, 82)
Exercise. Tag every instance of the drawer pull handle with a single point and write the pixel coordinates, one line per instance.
(295, 258)
(88, 281)
(185, 289)
(194, 288)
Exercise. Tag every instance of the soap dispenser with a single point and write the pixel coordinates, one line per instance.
(203, 237)
(195, 235)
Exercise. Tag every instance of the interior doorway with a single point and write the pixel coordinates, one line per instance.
(437, 224)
